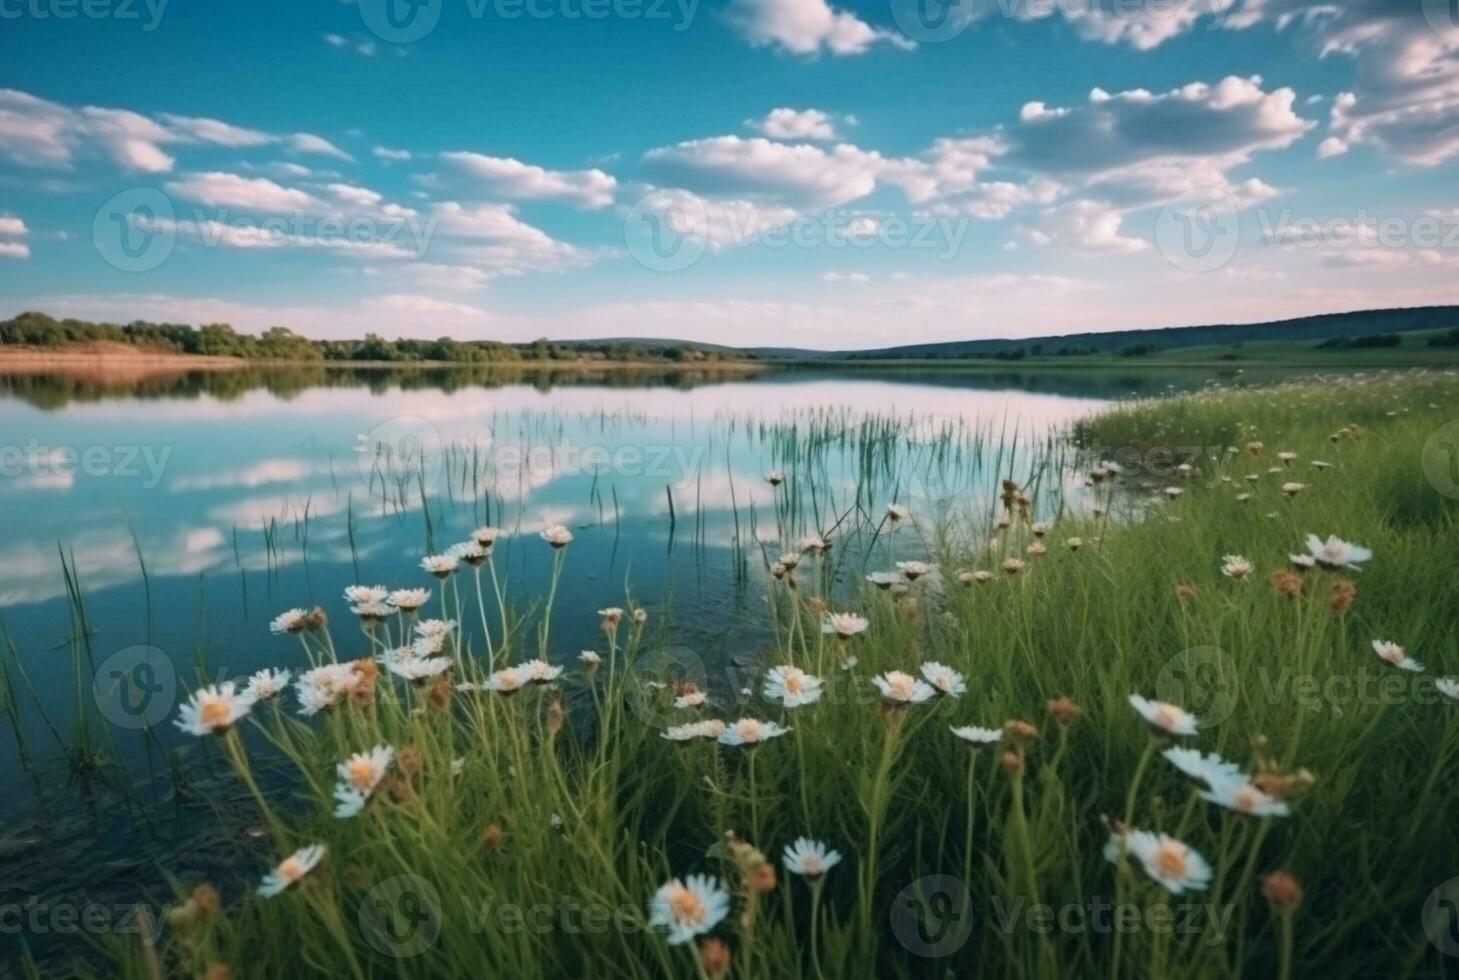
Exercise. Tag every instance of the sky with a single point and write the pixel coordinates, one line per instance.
(749, 172)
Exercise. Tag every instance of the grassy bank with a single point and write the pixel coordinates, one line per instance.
(523, 829)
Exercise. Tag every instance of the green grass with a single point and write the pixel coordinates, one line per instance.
(538, 859)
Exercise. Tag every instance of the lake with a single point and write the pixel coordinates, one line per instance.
(155, 525)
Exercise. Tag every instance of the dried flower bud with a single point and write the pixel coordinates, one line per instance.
(1064, 711)
(218, 971)
(493, 837)
(1282, 892)
(1185, 592)
(1020, 732)
(407, 760)
(714, 957)
(1012, 763)
(554, 717)
(1288, 584)
(1344, 594)
(761, 878)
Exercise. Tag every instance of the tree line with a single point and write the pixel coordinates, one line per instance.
(280, 343)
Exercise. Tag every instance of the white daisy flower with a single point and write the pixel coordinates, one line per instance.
(750, 731)
(556, 535)
(775, 477)
(1164, 717)
(266, 684)
(290, 621)
(470, 552)
(428, 646)
(1394, 654)
(1036, 550)
(1173, 492)
(944, 679)
(359, 777)
(434, 628)
(789, 561)
(809, 858)
(371, 611)
(1242, 498)
(1237, 793)
(902, 688)
(213, 710)
(1176, 866)
(1320, 464)
(1013, 565)
(1039, 528)
(441, 566)
(712, 729)
(1292, 489)
(1074, 544)
(791, 686)
(897, 513)
(844, 625)
(1287, 458)
(486, 536)
(508, 680)
(1336, 553)
(611, 616)
(978, 736)
(1208, 769)
(361, 595)
(409, 600)
(693, 699)
(324, 687)
(1237, 567)
(291, 870)
(689, 907)
(589, 658)
(1449, 687)
(539, 671)
(914, 570)
(418, 668)
(883, 580)
(813, 543)
(1302, 561)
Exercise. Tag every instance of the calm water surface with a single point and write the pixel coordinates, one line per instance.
(154, 525)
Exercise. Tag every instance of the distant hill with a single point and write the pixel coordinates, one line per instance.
(1309, 328)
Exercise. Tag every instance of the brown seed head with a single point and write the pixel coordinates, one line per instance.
(1282, 892)
(714, 957)
(1288, 584)
(1064, 711)
(1012, 763)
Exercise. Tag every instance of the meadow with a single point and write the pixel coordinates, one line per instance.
(1160, 733)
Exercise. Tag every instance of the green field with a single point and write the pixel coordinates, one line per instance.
(570, 809)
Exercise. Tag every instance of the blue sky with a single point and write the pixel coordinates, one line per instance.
(739, 171)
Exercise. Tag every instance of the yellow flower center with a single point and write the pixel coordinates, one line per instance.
(1170, 859)
(1247, 799)
(1167, 715)
(291, 869)
(362, 773)
(794, 683)
(214, 713)
(749, 729)
(686, 905)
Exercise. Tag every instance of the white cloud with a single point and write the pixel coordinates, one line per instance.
(719, 223)
(1083, 225)
(796, 124)
(390, 155)
(11, 225)
(14, 250)
(497, 241)
(215, 131)
(363, 46)
(808, 27)
(224, 190)
(35, 132)
(804, 173)
(514, 179)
